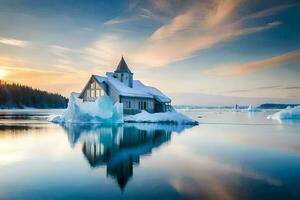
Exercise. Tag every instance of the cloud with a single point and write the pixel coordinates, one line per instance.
(292, 88)
(14, 42)
(264, 88)
(66, 58)
(192, 27)
(141, 14)
(59, 50)
(254, 89)
(183, 29)
(251, 67)
(166, 49)
(108, 50)
(221, 10)
(270, 11)
(30, 70)
(118, 21)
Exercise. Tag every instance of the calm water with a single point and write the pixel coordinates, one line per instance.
(228, 156)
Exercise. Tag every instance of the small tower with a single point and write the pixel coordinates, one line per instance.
(123, 73)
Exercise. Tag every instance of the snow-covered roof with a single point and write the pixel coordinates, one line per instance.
(157, 94)
(138, 88)
(100, 79)
(124, 90)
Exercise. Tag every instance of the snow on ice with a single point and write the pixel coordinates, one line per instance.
(288, 113)
(101, 111)
(253, 109)
(166, 117)
(104, 111)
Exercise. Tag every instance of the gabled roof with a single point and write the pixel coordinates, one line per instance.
(123, 67)
(138, 89)
(98, 79)
(156, 93)
(124, 90)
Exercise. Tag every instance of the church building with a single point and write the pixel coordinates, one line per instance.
(122, 88)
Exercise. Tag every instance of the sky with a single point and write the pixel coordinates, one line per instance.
(198, 52)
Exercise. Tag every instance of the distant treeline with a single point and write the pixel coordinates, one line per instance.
(19, 96)
(276, 106)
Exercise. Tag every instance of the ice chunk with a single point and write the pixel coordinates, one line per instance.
(165, 117)
(55, 119)
(288, 113)
(104, 111)
(101, 111)
(253, 109)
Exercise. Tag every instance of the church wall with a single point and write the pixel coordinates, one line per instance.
(133, 105)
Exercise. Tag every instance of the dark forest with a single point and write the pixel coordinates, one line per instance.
(19, 96)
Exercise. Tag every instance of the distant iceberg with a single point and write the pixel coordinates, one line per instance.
(236, 108)
(166, 117)
(253, 109)
(288, 113)
(101, 111)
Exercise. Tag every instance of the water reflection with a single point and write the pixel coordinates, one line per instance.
(119, 148)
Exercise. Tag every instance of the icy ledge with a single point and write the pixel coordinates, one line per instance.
(253, 109)
(288, 113)
(173, 117)
(103, 111)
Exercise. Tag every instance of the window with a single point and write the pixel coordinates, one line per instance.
(91, 91)
(168, 106)
(142, 105)
(88, 93)
(129, 104)
(98, 93)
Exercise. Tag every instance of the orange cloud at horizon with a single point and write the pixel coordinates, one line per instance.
(251, 67)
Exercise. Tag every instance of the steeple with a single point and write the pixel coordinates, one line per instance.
(123, 73)
(123, 67)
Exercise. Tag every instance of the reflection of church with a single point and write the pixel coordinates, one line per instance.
(117, 147)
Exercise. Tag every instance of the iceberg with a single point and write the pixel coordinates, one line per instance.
(253, 109)
(288, 113)
(101, 111)
(166, 117)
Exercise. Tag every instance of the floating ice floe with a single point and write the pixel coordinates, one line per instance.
(101, 111)
(166, 117)
(253, 109)
(288, 113)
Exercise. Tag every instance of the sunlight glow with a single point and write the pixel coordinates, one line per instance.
(3, 73)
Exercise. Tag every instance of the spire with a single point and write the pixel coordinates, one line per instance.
(122, 67)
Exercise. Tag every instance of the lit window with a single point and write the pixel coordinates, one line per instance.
(98, 93)
(93, 85)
